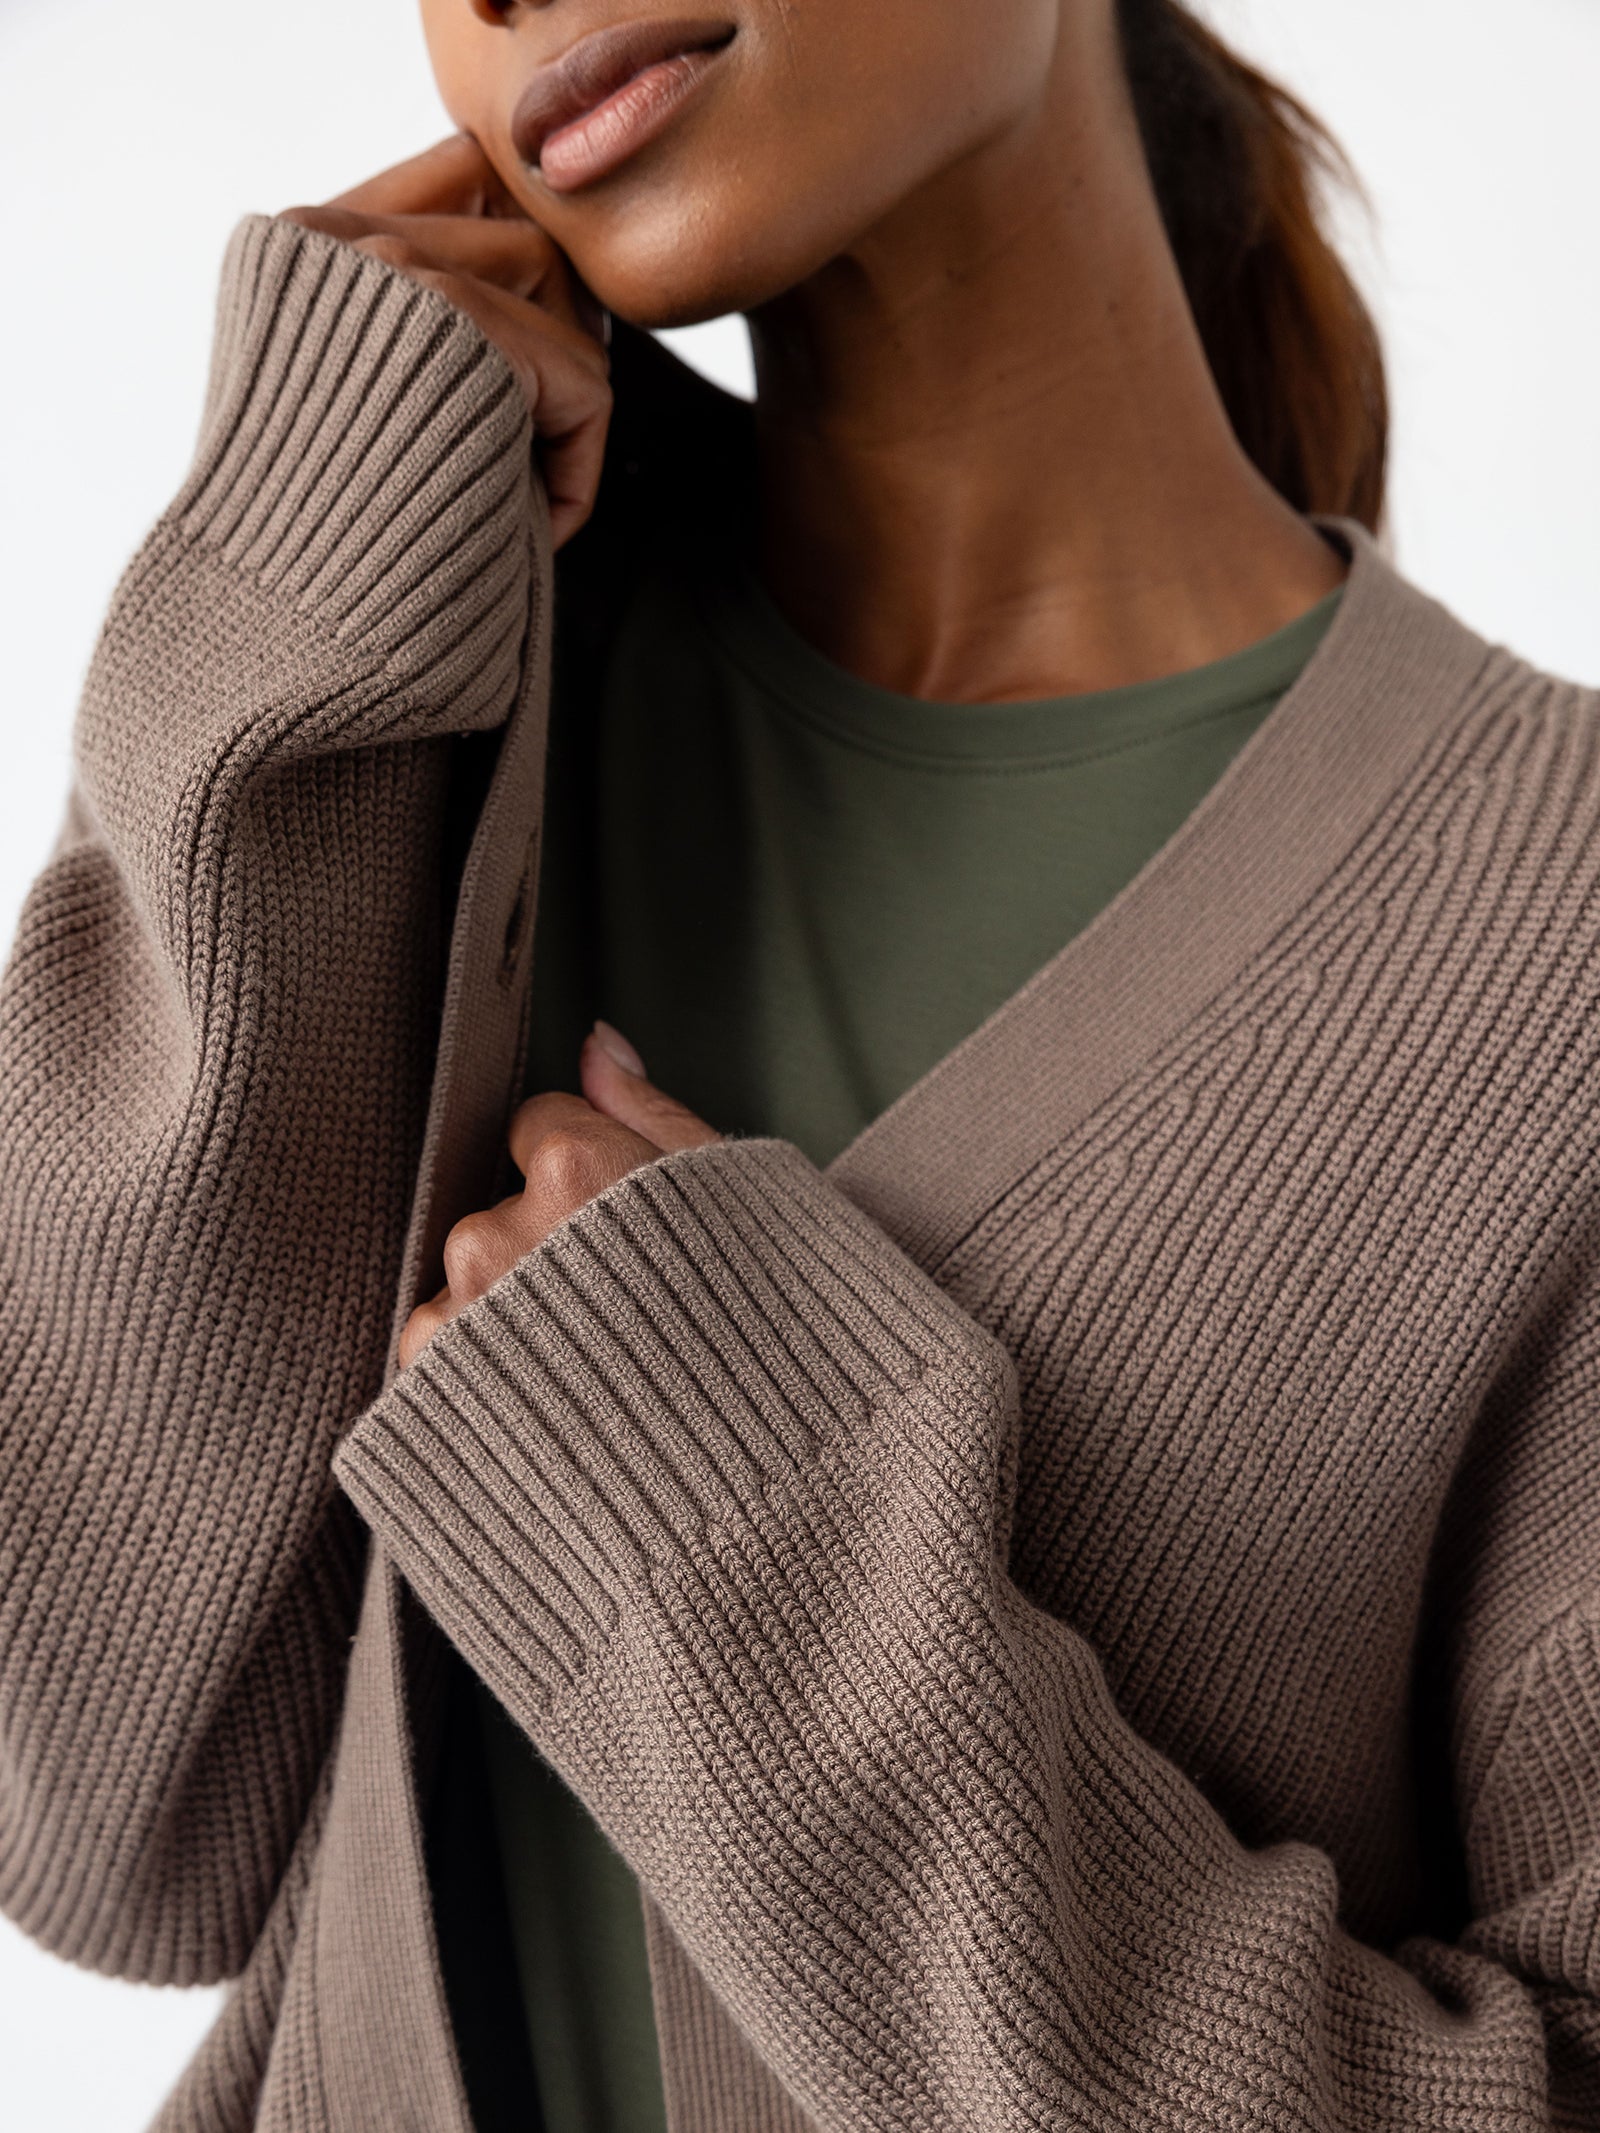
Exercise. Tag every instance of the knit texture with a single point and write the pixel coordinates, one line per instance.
(1081, 1614)
(226, 985)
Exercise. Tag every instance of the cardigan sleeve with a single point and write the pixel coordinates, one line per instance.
(217, 1029)
(713, 1488)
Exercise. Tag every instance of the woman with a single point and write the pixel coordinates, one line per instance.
(1027, 1496)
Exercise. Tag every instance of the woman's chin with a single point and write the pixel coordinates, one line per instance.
(682, 269)
(652, 305)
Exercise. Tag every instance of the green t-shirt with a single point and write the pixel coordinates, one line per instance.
(795, 892)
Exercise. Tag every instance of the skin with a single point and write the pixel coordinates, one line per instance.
(940, 227)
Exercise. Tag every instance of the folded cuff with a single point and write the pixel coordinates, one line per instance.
(365, 453)
(687, 1342)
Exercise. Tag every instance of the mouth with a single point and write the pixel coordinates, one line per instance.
(610, 92)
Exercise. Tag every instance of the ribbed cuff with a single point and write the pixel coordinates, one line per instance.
(690, 1340)
(365, 455)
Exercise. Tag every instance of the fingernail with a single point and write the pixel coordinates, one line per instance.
(613, 1041)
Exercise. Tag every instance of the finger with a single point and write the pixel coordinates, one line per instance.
(554, 1111)
(422, 1325)
(569, 1153)
(454, 176)
(629, 1097)
(572, 465)
(551, 281)
(483, 1246)
(570, 394)
(517, 256)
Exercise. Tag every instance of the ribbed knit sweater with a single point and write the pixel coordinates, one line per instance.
(1081, 1613)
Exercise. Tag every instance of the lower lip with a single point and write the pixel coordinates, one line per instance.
(596, 143)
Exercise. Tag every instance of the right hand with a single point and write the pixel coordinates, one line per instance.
(446, 219)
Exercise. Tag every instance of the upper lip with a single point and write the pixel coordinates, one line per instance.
(594, 67)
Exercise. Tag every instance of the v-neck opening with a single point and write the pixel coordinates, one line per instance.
(1391, 667)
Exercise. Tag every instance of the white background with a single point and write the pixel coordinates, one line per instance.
(133, 135)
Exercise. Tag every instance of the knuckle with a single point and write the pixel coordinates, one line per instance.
(523, 1133)
(540, 247)
(594, 387)
(526, 373)
(566, 1165)
(393, 250)
(470, 1258)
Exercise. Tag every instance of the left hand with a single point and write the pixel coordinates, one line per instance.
(568, 1148)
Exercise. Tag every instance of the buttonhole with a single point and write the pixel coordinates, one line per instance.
(517, 921)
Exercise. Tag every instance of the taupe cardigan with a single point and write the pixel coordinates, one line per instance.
(1083, 1613)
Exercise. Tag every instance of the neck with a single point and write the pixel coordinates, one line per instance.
(993, 462)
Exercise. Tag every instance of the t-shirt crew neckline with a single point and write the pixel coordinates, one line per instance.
(1026, 733)
(1392, 668)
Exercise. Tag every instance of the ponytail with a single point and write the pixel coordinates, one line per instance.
(1237, 162)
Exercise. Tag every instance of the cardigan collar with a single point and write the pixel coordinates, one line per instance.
(1389, 678)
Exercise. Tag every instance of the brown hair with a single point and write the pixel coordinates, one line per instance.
(1238, 164)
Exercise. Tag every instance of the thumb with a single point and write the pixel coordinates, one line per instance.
(614, 1081)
